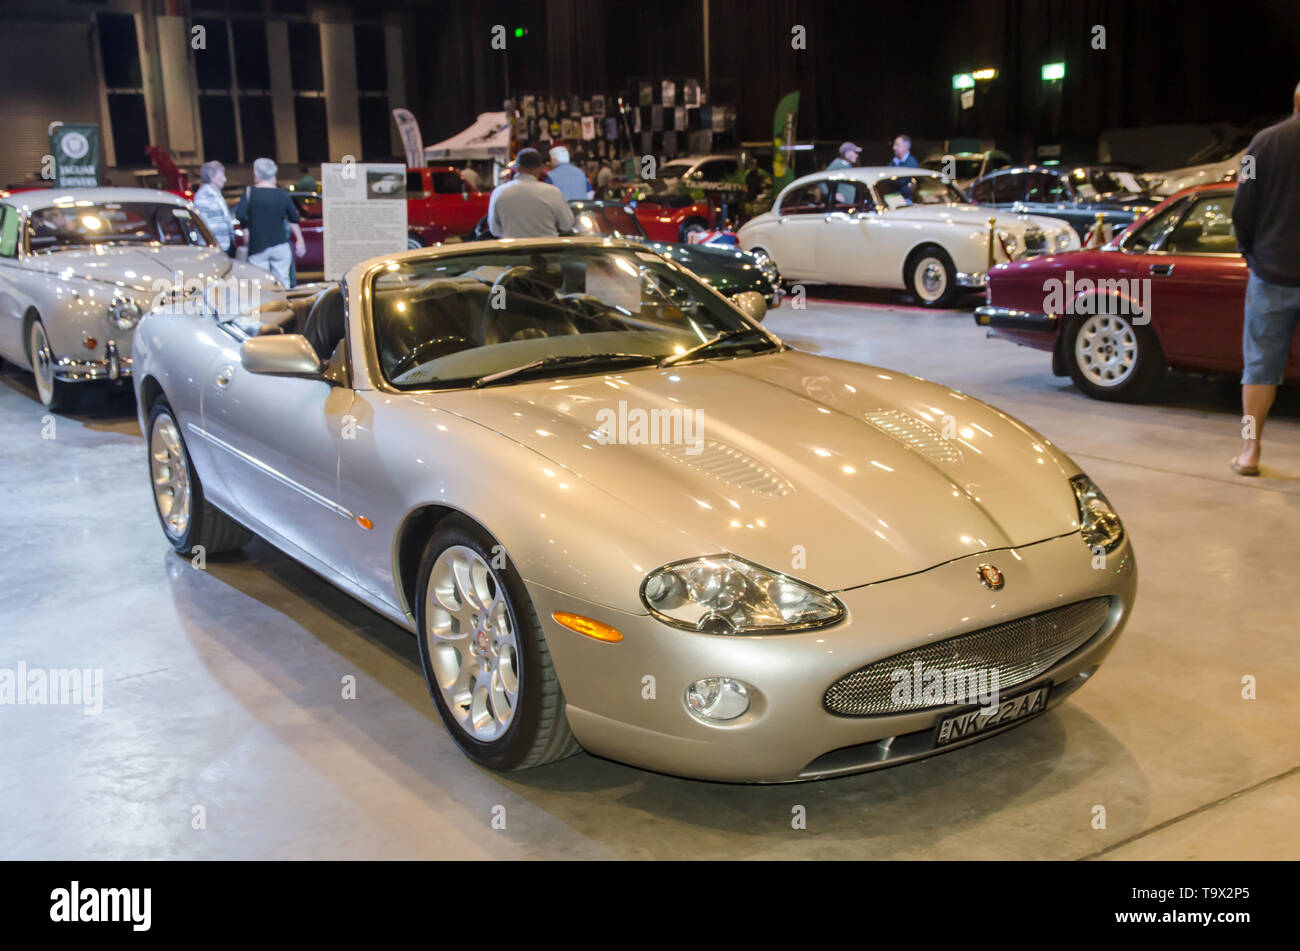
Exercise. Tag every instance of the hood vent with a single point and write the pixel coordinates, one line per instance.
(914, 434)
(728, 464)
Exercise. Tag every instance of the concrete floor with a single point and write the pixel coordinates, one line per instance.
(222, 687)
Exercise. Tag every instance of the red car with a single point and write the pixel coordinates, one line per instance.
(440, 196)
(673, 218)
(1168, 292)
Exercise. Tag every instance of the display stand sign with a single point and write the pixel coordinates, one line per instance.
(364, 209)
(75, 148)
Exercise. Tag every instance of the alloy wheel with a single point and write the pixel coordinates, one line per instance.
(171, 476)
(1106, 350)
(472, 643)
(42, 363)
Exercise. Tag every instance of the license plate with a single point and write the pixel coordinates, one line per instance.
(973, 722)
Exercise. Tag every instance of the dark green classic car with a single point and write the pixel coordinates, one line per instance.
(728, 270)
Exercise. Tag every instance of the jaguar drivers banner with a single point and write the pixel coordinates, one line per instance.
(75, 148)
(364, 213)
(784, 122)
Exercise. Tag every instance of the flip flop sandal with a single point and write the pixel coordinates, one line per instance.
(1241, 470)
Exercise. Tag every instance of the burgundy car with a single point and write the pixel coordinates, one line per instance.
(1168, 292)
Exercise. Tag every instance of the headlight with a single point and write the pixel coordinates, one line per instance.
(1098, 522)
(1063, 239)
(124, 314)
(1009, 242)
(723, 594)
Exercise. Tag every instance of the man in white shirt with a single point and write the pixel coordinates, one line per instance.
(527, 207)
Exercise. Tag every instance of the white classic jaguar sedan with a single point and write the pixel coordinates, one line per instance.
(78, 268)
(891, 227)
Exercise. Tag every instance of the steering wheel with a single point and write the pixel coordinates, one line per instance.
(421, 353)
(526, 276)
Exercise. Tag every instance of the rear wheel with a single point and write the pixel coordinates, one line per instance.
(692, 226)
(931, 276)
(188, 520)
(1111, 359)
(55, 394)
(484, 654)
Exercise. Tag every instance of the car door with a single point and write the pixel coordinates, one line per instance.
(275, 445)
(313, 232)
(847, 241)
(11, 276)
(794, 236)
(1198, 286)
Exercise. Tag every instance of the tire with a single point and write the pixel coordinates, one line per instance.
(171, 472)
(413, 243)
(1111, 359)
(55, 395)
(931, 277)
(689, 227)
(470, 664)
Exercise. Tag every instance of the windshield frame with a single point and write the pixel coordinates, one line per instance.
(368, 344)
(885, 207)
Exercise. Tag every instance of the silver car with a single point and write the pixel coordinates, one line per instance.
(78, 268)
(620, 515)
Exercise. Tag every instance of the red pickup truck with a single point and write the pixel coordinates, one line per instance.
(439, 195)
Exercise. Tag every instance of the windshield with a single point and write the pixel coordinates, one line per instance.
(610, 220)
(902, 190)
(1221, 151)
(86, 223)
(450, 320)
(675, 169)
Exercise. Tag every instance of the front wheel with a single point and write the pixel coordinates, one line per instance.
(484, 654)
(1111, 359)
(188, 519)
(413, 243)
(932, 277)
(55, 395)
(692, 226)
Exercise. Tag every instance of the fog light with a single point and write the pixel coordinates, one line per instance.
(717, 698)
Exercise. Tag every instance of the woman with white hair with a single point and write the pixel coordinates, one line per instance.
(212, 207)
(264, 210)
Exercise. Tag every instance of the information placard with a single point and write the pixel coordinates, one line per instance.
(364, 209)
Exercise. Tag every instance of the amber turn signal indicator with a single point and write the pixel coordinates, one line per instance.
(365, 522)
(585, 625)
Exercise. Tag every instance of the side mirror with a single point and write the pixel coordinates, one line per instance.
(752, 304)
(280, 355)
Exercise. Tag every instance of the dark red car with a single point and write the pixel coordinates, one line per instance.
(1168, 292)
(439, 196)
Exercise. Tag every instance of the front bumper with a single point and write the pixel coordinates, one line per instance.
(1007, 318)
(113, 366)
(626, 701)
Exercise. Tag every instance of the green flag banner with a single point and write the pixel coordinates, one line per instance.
(783, 129)
(75, 147)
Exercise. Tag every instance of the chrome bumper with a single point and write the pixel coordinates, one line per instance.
(974, 279)
(1006, 318)
(114, 366)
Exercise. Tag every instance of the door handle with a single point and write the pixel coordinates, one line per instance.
(1162, 270)
(224, 376)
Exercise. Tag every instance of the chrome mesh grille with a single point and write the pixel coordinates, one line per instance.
(1035, 241)
(915, 434)
(1017, 650)
(730, 465)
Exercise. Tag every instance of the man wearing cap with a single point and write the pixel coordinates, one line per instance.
(848, 158)
(526, 206)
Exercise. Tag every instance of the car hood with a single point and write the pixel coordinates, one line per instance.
(796, 455)
(728, 269)
(136, 268)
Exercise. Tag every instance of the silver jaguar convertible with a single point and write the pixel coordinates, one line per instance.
(621, 516)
